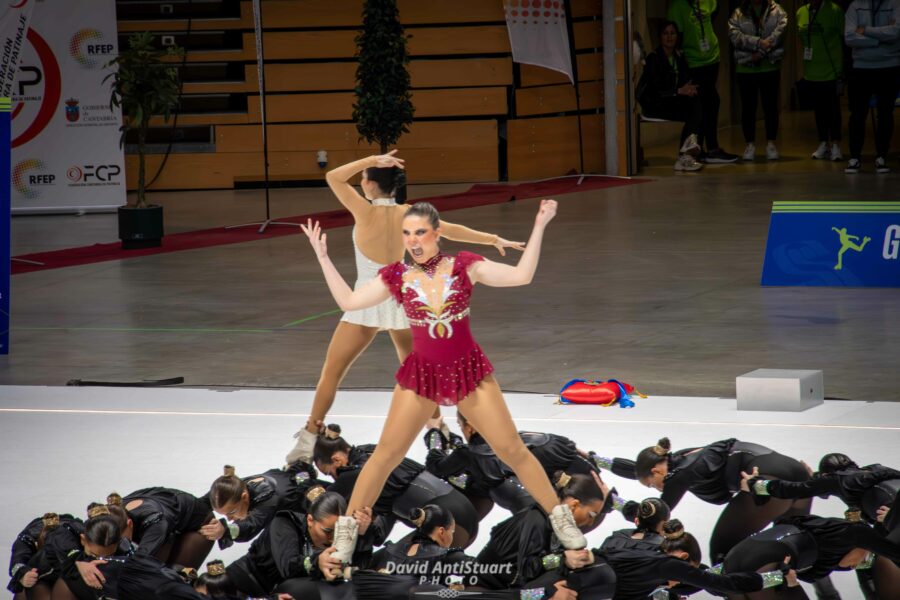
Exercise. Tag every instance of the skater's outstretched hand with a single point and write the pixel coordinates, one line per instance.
(317, 238)
(546, 212)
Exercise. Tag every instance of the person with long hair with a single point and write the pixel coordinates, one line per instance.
(378, 215)
(446, 366)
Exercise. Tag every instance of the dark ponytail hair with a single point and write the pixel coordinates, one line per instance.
(834, 462)
(325, 504)
(579, 486)
(216, 581)
(50, 521)
(328, 443)
(679, 540)
(102, 528)
(426, 210)
(651, 513)
(430, 517)
(652, 456)
(226, 489)
(390, 180)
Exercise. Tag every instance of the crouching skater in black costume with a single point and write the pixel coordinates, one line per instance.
(91, 571)
(475, 468)
(166, 524)
(652, 514)
(869, 493)
(713, 474)
(292, 555)
(409, 486)
(529, 558)
(818, 546)
(250, 503)
(31, 570)
(642, 573)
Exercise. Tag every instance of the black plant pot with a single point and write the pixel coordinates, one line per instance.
(140, 227)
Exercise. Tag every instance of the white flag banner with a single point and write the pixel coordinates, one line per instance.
(538, 34)
(65, 139)
(14, 20)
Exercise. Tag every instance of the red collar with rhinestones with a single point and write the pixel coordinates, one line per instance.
(430, 266)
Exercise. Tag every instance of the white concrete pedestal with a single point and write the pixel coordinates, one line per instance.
(780, 390)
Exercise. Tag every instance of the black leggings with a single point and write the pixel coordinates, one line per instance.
(742, 517)
(705, 78)
(307, 589)
(863, 84)
(678, 108)
(239, 574)
(759, 85)
(827, 109)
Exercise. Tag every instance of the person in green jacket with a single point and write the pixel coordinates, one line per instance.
(701, 49)
(820, 28)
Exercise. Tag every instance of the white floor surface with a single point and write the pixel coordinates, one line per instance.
(63, 447)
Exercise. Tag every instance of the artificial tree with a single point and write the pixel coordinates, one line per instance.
(383, 108)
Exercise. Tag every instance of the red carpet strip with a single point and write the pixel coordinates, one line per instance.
(477, 195)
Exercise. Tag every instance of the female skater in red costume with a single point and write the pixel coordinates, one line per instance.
(446, 366)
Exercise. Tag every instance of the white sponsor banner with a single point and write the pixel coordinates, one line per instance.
(14, 20)
(65, 146)
(538, 34)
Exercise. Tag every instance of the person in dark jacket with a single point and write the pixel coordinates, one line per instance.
(665, 91)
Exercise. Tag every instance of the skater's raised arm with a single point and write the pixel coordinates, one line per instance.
(496, 274)
(339, 177)
(372, 293)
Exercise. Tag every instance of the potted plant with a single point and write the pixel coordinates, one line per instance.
(383, 108)
(143, 85)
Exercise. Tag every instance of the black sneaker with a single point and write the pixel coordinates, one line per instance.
(852, 166)
(719, 156)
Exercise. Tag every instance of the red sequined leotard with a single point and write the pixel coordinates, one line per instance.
(446, 364)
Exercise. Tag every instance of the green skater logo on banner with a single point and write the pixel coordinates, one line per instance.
(833, 244)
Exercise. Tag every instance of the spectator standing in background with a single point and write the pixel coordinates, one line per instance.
(820, 27)
(872, 31)
(701, 50)
(756, 30)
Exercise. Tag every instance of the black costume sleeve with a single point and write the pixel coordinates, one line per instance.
(822, 485)
(532, 549)
(868, 538)
(155, 531)
(24, 547)
(674, 569)
(679, 480)
(285, 545)
(656, 80)
(446, 464)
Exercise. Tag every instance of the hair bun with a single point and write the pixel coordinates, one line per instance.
(562, 480)
(114, 499)
(50, 520)
(854, 515)
(98, 511)
(228, 471)
(332, 431)
(673, 529)
(215, 568)
(314, 493)
(418, 517)
(647, 509)
(662, 447)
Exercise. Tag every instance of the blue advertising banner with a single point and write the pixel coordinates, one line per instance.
(840, 244)
(5, 195)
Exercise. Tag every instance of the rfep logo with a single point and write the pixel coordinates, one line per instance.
(89, 49)
(93, 174)
(28, 177)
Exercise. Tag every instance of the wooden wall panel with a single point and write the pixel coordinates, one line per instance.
(348, 13)
(280, 45)
(588, 34)
(558, 98)
(485, 39)
(245, 21)
(586, 8)
(338, 106)
(221, 170)
(548, 147)
(343, 136)
(460, 72)
(590, 67)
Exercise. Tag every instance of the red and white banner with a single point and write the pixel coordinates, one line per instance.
(538, 34)
(14, 20)
(65, 139)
